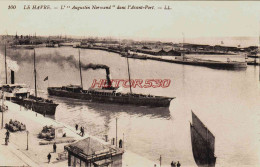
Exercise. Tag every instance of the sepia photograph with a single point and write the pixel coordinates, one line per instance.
(130, 83)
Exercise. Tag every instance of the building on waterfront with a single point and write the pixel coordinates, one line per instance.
(172, 52)
(90, 152)
(160, 52)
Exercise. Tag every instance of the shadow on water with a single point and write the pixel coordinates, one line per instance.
(110, 109)
(228, 69)
(217, 67)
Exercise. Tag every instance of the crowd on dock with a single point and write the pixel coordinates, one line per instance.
(174, 164)
(15, 126)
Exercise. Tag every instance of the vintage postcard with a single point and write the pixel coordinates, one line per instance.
(130, 83)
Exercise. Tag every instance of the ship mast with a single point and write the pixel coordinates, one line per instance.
(129, 75)
(80, 71)
(5, 67)
(35, 84)
(183, 46)
(258, 51)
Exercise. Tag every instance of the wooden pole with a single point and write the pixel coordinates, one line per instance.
(116, 132)
(129, 75)
(34, 66)
(80, 71)
(259, 67)
(123, 141)
(183, 46)
(5, 67)
(2, 118)
(258, 49)
(160, 160)
(2, 109)
(27, 140)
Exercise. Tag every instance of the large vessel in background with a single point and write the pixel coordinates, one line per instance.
(108, 94)
(20, 94)
(203, 143)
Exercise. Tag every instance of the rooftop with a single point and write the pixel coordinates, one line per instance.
(88, 146)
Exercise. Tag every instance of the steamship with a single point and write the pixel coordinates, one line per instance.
(20, 94)
(109, 94)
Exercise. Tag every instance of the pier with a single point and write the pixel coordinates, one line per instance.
(192, 61)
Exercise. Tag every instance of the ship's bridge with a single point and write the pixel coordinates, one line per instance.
(72, 88)
(104, 90)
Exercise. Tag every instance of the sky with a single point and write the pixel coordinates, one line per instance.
(197, 20)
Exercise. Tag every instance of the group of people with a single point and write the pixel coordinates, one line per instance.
(54, 151)
(120, 142)
(82, 130)
(173, 164)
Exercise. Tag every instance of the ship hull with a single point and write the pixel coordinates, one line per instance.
(212, 64)
(203, 155)
(37, 106)
(141, 101)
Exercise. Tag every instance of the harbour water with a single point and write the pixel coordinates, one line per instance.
(226, 101)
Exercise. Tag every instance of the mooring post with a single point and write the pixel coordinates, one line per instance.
(27, 140)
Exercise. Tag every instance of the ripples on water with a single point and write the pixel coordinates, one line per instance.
(226, 101)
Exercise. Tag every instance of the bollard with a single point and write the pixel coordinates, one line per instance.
(106, 138)
(27, 140)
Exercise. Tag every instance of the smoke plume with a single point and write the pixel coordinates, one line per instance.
(58, 59)
(41, 58)
(98, 66)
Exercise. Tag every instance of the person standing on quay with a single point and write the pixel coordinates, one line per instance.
(76, 126)
(54, 147)
(49, 157)
(178, 164)
(83, 131)
(7, 135)
(173, 164)
(120, 143)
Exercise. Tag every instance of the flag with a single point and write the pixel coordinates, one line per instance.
(45, 79)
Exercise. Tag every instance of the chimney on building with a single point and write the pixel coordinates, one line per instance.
(12, 77)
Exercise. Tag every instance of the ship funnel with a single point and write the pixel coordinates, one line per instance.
(108, 77)
(12, 77)
(98, 66)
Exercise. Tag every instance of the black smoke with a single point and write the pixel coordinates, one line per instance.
(98, 66)
(58, 59)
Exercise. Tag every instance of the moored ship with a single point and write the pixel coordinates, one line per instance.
(108, 94)
(20, 94)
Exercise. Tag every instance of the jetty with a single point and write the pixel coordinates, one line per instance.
(253, 63)
(194, 61)
(212, 63)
